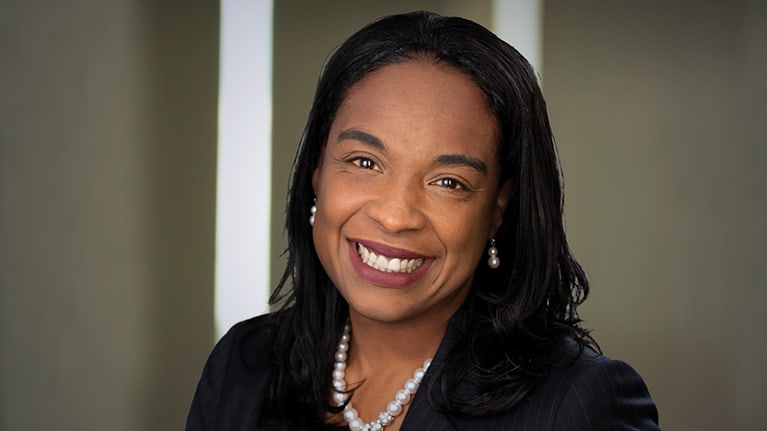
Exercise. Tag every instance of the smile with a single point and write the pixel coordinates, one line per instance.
(387, 264)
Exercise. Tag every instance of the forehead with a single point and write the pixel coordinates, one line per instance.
(420, 102)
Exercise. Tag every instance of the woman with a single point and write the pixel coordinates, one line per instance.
(429, 285)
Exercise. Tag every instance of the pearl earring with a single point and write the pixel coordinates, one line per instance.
(493, 261)
(313, 211)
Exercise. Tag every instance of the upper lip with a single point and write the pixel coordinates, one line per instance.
(387, 250)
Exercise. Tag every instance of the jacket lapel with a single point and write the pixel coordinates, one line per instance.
(423, 413)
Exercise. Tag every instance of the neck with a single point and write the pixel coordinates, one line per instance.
(375, 344)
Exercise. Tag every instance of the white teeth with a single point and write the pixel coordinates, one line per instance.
(381, 263)
(386, 264)
(394, 265)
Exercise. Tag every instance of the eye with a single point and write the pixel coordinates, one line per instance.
(450, 183)
(364, 163)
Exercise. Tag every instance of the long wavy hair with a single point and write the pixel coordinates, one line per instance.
(519, 312)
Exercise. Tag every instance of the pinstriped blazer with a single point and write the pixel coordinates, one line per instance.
(593, 393)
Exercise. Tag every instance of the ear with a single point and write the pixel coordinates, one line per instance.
(317, 172)
(502, 201)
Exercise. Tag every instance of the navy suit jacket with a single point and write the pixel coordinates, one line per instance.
(592, 393)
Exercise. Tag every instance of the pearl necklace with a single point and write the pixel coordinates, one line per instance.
(394, 408)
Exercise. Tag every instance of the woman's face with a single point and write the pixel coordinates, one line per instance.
(407, 192)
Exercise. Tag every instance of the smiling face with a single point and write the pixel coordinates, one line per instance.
(407, 192)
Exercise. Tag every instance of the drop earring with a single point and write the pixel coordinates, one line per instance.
(313, 211)
(493, 261)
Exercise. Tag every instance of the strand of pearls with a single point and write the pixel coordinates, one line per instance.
(394, 408)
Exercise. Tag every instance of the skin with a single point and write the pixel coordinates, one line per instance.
(410, 168)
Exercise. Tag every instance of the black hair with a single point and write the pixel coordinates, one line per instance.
(520, 312)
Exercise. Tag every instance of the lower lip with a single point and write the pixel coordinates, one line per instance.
(385, 279)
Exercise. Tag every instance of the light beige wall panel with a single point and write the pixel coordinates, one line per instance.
(658, 108)
(107, 206)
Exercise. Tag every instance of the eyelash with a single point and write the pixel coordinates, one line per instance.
(450, 183)
(446, 182)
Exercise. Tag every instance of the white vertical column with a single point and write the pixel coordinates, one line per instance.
(244, 161)
(520, 23)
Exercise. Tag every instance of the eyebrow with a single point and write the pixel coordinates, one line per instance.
(462, 160)
(444, 159)
(364, 137)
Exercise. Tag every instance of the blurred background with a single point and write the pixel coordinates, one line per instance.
(114, 173)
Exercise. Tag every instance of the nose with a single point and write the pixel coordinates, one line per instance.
(397, 208)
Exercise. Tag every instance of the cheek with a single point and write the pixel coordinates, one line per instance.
(337, 202)
(470, 247)
(471, 223)
(467, 234)
(335, 207)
